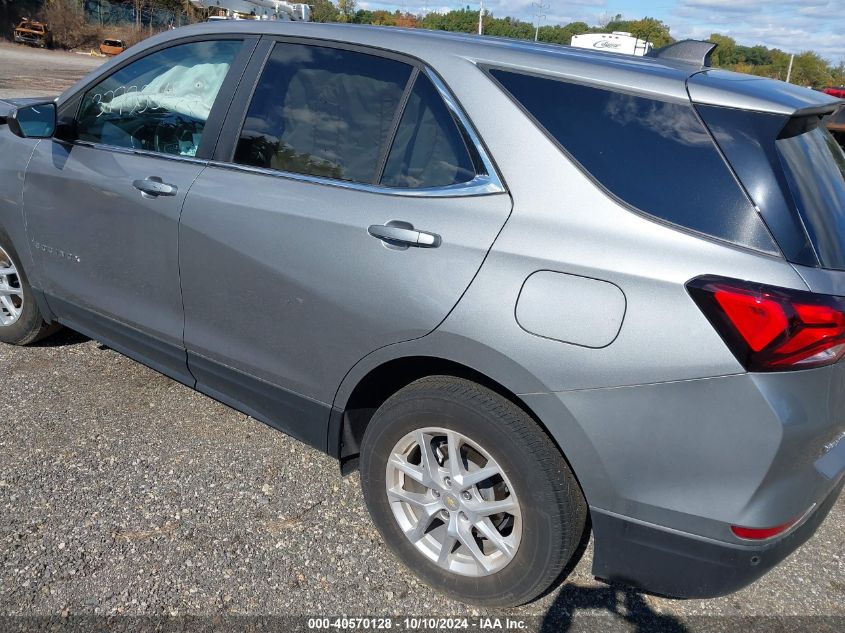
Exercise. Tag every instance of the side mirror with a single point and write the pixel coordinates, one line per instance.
(33, 121)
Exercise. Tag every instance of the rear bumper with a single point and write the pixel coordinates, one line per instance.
(683, 565)
(668, 468)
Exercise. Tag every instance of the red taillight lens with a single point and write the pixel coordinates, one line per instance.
(757, 534)
(773, 329)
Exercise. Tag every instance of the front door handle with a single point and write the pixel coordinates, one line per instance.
(401, 235)
(154, 187)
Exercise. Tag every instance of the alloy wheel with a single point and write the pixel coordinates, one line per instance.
(11, 292)
(453, 501)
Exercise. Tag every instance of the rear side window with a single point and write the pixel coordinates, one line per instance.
(323, 112)
(429, 150)
(815, 172)
(654, 156)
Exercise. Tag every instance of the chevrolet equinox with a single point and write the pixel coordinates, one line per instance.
(541, 293)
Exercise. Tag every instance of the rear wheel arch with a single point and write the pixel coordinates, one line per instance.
(384, 380)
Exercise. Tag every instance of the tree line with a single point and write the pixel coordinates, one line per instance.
(808, 68)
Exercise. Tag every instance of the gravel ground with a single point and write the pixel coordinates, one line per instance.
(32, 72)
(123, 493)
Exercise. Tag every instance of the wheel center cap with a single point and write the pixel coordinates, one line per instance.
(451, 502)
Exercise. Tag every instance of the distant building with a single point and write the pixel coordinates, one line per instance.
(616, 42)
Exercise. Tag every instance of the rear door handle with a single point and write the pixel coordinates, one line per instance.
(154, 187)
(401, 235)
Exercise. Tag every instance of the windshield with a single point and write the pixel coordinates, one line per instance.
(814, 165)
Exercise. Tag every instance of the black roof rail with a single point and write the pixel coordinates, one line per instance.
(695, 52)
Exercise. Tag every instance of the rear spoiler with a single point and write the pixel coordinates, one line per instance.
(695, 52)
(723, 88)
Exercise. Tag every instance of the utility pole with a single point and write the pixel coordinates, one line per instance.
(481, 19)
(538, 16)
(789, 70)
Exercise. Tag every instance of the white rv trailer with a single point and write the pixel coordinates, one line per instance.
(256, 9)
(616, 42)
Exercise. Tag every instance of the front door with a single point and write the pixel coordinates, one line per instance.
(103, 207)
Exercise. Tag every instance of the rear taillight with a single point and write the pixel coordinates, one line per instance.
(758, 534)
(773, 329)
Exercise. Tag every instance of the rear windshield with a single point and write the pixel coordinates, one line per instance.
(113, 43)
(654, 156)
(814, 166)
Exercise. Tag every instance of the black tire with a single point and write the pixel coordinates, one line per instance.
(553, 509)
(30, 326)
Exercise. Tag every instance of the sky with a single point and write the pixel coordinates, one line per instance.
(791, 25)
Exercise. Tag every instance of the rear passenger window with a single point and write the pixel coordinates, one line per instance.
(323, 112)
(655, 156)
(429, 150)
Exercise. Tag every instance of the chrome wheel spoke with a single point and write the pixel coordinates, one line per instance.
(468, 541)
(7, 290)
(486, 528)
(414, 499)
(449, 542)
(453, 443)
(477, 476)
(499, 506)
(428, 460)
(411, 470)
(13, 310)
(11, 296)
(424, 522)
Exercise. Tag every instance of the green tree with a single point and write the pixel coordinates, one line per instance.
(346, 10)
(725, 54)
(323, 11)
(811, 70)
(649, 29)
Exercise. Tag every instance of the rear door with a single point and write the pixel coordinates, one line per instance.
(349, 208)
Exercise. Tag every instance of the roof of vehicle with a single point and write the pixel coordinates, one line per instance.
(644, 75)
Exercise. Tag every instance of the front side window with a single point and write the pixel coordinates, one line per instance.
(159, 103)
(323, 112)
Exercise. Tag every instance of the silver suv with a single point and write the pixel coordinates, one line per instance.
(542, 292)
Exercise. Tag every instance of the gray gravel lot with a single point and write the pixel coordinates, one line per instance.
(32, 72)
(124, 493)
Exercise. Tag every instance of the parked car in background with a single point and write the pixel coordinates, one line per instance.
(838, 92)
(436, 252)
(112, 47)
(33, 33)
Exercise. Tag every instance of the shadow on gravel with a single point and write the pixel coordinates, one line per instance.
(62, 338)
(630, 610)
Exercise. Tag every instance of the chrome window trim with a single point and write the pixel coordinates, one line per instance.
(481, 185)
(492, 173)
(137, 152)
